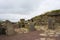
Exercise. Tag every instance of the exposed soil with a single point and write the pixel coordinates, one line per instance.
(25, 36)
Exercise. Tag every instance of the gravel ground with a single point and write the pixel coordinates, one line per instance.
(26, 36)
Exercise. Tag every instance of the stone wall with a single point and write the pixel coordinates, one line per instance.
(9, 28)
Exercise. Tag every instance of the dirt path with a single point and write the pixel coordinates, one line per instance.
(27, 36)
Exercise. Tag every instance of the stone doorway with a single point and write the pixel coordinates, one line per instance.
(2, 31)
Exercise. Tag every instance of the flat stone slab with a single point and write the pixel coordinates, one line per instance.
(43, 34)
(42, 38)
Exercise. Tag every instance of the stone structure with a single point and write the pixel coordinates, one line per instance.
(9, 29)
(2, 30)
(53, 19)
(21, 23)
(31, 26)
(26, 25)
(51, 23)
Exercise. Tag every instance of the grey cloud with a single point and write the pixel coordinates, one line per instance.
(19, 6)
(25, 8)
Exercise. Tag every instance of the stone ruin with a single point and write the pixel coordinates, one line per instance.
(7, 28)
(53, 21)
(27, 24)
(21, 23)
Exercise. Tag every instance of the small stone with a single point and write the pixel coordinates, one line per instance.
(43, 34)
(51, 39)
(42, 38)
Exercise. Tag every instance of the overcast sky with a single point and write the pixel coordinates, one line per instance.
(14, 10)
